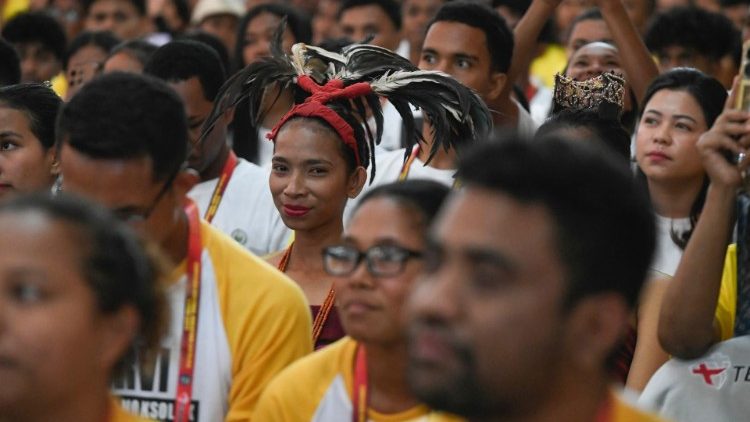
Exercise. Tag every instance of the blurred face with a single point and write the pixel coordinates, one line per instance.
(123, 62)
(324, 21)
(197, 109)
(461, 51)
(371, 307)
(54, 342)
(25, 166)
(86, 63)
(678, 56)
(586, 32)
(128, 188)
(566, 12)
(358, 23)
(671, 124)
(416, 16)
(223, 27)
(38, 64)
(592, 60)
(118, 16)
(309, 180)
(259, 35)
(486, 323)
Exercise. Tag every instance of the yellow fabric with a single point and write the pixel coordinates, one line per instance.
(623, 412)
(120, 415)
(266, 318)
(551, 61)
(60, 85)
(296, 394)
(726, 307)
(14, 7)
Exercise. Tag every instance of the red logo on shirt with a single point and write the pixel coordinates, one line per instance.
(713, 370)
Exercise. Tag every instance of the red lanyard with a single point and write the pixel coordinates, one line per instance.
(359, 395)
(221, 186)
(190, 317)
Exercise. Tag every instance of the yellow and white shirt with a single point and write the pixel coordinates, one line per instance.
(252, 322)
(317, 389)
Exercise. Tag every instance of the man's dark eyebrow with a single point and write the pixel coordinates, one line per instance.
(465, 56)
(486, 256)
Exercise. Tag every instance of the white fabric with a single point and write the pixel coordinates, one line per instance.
(403, 49)
(541, 103)
(715, 387)
(526, 126)
(153, 397)
(246, 213)
(667, 255)
(265, 147)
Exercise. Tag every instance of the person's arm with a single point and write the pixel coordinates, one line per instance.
(687, 326)
(525, 37)
(649, 355)
(636, 59)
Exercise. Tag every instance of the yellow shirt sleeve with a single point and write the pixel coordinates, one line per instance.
(552, 61)
(727, 305)
(266, 317)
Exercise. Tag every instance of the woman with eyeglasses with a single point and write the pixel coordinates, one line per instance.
(27, 137)
(362, 377)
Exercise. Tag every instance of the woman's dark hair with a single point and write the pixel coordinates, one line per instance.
(710, 96)
(424, 196)
(140, 50)
(40, 105)
(119, 269)
(102, 39)
(607, 131)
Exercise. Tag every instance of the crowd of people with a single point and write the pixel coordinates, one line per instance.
(374, 210)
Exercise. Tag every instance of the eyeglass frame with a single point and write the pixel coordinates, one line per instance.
(408, 254)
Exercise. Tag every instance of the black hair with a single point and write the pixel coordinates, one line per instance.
(37, 27)
(424, 196)
(709, 34)
(297, 23)
(40, 105)
(608, 131)
(118, 267)
(10, 64)
(603, 223)
(105, 40)
(140, 6)
(183, 59)
(591, 14)
(710, 96)
(213, 42)
(498, 37)
(390, 7)
(140, 50)
(122, 116)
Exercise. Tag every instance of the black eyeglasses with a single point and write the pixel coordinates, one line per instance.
(134, 217)
(382, 260)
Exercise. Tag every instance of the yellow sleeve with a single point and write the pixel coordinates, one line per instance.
(266, 317)
(551, 61)
(726, 307)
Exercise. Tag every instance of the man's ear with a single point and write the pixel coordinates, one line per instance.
(597, 325)
(497, 83)
(357, 181)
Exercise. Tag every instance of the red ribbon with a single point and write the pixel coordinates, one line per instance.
(314, 106)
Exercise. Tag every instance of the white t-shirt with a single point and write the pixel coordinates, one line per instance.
(667, 255)
(246, 212)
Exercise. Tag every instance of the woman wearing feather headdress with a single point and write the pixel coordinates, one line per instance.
(323, 146)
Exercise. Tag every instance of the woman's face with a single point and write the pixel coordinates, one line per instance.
(592, 60)
(671, 124)
(83, 65)
(259, 35)
(309, 181)
(25, 166)
(55, 345)
(370, 307)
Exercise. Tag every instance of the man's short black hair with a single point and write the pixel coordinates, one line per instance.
(124, 116)
(709, 34)
(604, 225)
(183, 59)
(105, 40)
(37, 27)
(213, 42)
(498, 37)
(390, 7)
(10, 64)
(140, 6)
(140, 50)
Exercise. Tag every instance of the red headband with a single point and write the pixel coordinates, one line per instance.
(314, 106)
